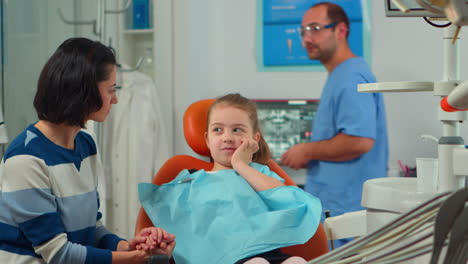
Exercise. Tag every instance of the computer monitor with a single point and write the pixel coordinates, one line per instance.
(285, 123)
(415, 10)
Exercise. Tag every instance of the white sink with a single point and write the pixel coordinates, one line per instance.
(386, 199)
(393, 194)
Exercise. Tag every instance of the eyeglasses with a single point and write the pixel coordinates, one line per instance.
(314, 28)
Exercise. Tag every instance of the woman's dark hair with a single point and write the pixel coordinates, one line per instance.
(263, 155)
(336, 14)
(67, 90)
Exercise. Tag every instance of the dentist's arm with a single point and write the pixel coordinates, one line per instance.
(342, 147)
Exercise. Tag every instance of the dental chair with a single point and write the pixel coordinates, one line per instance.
(195, 119)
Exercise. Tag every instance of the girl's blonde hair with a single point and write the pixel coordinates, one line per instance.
(236, 100)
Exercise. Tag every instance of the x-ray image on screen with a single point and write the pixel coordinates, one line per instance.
(285, 123)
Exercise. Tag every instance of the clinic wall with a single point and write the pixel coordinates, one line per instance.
(214, 53)
(32, 33)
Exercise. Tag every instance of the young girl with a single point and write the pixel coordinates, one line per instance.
(240, 211)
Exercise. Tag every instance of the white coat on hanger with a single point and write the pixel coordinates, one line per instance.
(135, 147)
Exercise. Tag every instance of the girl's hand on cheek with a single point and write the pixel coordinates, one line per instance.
(244, 153)
(253, 146)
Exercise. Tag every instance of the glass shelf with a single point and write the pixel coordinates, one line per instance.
(138, 31)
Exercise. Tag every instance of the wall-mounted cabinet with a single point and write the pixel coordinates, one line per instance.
(135, 43)
(136, 37)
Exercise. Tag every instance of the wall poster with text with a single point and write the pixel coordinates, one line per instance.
(282, 44)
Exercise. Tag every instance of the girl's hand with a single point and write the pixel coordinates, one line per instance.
(164, 248)
(165, 242)
(143, 240)
(244, 153)
(149, 238)
(155, 240)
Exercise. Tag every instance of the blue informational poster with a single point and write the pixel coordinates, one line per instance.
(284, 11)
(282, 44)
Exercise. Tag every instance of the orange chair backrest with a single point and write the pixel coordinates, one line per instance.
(195, 124)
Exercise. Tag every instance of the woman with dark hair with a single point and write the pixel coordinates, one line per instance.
(48, 176)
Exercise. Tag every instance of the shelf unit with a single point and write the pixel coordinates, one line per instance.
(134, 43)
(131, 46)
(138, 31)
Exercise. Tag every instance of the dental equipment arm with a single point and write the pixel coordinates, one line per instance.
(456, 11)
(401, 6)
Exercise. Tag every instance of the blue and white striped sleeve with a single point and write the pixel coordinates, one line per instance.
(31, 208)
(105, 239)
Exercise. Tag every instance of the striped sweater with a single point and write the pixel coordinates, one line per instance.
(49, 202)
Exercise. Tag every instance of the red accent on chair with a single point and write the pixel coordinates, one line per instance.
(195, 123)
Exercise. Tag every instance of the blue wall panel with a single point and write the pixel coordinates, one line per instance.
(281, 22)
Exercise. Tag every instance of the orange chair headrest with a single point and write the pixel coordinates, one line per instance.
(195, 123)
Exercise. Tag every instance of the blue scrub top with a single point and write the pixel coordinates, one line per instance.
(343, 109)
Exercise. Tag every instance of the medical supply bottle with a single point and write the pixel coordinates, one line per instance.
(148, 65)
(141, 14)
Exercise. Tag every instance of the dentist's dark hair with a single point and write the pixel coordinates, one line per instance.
(67, 89)
(336, 14)
(263, 155)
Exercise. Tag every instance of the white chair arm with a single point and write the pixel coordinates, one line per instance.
(351, 224)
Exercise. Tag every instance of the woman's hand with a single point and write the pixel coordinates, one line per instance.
(155, 240)
(127, 257)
